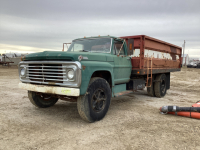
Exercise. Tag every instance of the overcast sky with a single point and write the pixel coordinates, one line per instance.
(38, 25)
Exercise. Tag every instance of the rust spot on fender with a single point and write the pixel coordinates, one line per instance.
(83, 67)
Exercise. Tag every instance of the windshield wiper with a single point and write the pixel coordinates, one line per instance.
(85, 50)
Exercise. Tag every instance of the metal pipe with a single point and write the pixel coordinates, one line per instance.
(166, 109)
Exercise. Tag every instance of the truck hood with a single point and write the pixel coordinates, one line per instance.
(67, 56)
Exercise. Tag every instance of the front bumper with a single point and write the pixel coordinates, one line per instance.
(50, 89)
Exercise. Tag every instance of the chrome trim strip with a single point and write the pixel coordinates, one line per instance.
(45, 72)
(48, 66)
(47, 69)
(45, 79)
(50, 83)
(52, 62)
(33, 75)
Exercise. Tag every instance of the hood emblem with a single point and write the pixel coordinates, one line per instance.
(80, 57)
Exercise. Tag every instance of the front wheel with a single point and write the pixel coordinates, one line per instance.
(42, 100)
(94, 105)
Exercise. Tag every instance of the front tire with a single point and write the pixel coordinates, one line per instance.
(94, 105)
(41, 101)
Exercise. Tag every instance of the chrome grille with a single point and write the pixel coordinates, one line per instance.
(50, 72)
(54, 73)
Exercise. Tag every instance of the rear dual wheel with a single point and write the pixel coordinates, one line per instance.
(160, 85)
(150, 90)
(158, 88)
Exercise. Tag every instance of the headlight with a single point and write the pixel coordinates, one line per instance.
(70, 74)
(23, 71)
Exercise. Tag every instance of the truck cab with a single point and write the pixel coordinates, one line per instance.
(89, 72)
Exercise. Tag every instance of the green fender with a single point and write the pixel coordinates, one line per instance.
(89, 67)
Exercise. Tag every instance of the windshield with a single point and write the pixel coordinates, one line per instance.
(100, 45)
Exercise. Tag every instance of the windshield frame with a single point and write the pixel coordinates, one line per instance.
(111, 44)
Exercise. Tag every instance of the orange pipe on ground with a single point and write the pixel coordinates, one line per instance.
(186, 114)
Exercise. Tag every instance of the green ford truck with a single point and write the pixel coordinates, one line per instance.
(90, 72)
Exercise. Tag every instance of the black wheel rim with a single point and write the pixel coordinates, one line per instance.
(98, 100)
(163, 87)
(46, 97)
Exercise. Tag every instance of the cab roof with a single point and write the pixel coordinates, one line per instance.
(98, 37)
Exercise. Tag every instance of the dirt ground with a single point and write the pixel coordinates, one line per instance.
(132, 122)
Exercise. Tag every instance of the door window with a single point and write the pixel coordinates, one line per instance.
(117, 47)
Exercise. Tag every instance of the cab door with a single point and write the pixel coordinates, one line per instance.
(122, 62)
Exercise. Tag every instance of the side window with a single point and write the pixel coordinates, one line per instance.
(77, 47)
(117, 47)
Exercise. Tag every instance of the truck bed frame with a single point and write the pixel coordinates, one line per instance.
(168, 57)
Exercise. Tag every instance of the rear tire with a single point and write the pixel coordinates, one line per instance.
(41, 101)
(150, 90)
(94, 105)
(160, 85)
